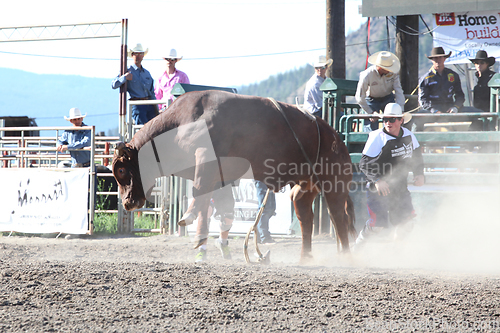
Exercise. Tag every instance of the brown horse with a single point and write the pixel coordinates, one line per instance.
(215, 138)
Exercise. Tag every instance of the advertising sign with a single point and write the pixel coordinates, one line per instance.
(246, 208)
(44, 200)
(466, 33)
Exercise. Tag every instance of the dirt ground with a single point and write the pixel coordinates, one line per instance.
(150, 284)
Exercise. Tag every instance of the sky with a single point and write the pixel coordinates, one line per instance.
(225, 43)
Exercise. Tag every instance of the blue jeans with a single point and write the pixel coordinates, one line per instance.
(269, 210)
(378, 105)
(395, 208)
(143, 113)
(318, 113)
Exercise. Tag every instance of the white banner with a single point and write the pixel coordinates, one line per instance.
(466, 33)
(44, 200)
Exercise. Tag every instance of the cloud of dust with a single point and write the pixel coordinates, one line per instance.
(462, 236)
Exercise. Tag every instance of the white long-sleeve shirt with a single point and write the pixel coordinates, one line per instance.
(372, 84)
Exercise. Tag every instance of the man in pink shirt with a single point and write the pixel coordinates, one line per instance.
(170, 77)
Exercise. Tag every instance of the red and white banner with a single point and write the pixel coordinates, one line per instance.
(466, 33)
(44, 200)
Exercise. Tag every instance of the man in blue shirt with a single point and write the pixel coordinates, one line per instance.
(140, 86)
(75, 141)
(313, 97)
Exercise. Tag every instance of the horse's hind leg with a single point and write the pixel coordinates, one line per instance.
(303, 209)
(337, 207)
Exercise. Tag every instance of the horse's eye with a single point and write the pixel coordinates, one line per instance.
(122, 172)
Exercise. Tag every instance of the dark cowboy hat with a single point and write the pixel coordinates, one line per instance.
(438, 52)
(483, 55)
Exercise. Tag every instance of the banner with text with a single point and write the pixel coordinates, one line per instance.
(44, 201)
(246, 207)
(466, 33)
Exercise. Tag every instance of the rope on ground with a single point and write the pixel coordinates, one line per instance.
(254, 229)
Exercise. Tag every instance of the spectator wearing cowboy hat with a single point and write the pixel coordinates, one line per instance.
(390, 153)
(440, 89)
(379, 85)
(140, 86)
(170, 77)
(484, 74)
(75, 141)
(313, 97)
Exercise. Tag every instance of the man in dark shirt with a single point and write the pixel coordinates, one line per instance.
(440, 89)
(389, 154)
(484, 74)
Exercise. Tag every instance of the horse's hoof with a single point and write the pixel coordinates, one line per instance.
(187, 219)
(199, 242)
(306, 259)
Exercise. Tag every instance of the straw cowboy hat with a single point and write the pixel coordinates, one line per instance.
(393, 110)
(173, 55)
(438, 52)
(385, 60)
(483, 55)
(322, 62)
(137, 48)
(74, 113)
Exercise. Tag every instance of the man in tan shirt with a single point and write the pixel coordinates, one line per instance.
(379, 85)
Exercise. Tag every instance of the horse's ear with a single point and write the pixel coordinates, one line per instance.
(121, 149)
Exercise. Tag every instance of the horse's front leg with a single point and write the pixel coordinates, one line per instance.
(206, 175)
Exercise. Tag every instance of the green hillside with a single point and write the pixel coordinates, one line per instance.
(282, 87)
(48, 98)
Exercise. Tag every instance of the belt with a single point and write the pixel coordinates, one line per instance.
(82, 165)
(138, 98)
(379, 98)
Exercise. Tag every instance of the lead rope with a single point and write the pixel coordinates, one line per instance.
(262, 258)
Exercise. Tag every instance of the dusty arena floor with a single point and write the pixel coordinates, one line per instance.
(150, 284)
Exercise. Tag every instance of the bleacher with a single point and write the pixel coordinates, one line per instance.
(456, 160)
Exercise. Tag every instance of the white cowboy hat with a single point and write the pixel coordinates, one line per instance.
(74, 113)
(386, 60)
(173, 55)
(322, 62)
(137, 48)
(393, 110)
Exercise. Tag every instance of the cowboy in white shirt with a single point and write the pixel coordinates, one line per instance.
(379, 85)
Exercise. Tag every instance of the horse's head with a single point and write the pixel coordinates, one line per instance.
(127, 175)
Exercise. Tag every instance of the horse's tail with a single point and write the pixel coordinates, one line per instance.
(351, 216)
